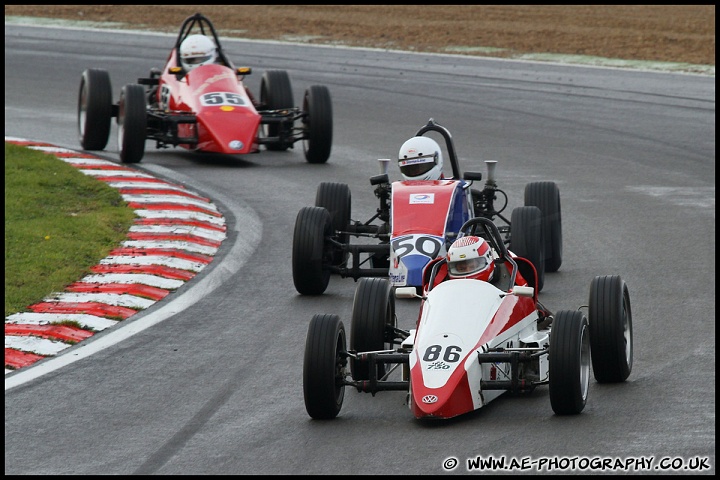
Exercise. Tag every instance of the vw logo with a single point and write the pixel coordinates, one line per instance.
(236, 145)
(429, 399)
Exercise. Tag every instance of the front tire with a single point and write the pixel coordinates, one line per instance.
(317, 124)
(94, 109)
(569, 362)
(373, 322)
(132, 123)
(324, 367)
(527, 241)
(611, 337)
(311, 274)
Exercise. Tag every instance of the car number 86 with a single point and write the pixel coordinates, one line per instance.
(451, 355)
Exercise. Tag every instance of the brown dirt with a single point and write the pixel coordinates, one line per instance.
(672, 33)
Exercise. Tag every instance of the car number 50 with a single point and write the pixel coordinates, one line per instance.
(428, 246)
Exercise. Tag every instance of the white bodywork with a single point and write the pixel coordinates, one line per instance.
(459, 318)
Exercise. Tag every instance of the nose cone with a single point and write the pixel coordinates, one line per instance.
(228, 129)
(452, 399)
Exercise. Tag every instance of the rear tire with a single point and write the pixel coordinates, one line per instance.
(336, 199)
(373, 322)
(324, 366)
(546, 196)
(611, 337)
(527, 241)
(276, 94)
(311, 274)
(317, 124)
(94, 109)
(569, 362)
(132, 123)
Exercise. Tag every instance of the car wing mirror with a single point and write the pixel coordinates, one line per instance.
(473, 176)
(523, 291)
(379, 179)
(406, 292)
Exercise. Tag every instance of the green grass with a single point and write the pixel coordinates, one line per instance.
(59, 222)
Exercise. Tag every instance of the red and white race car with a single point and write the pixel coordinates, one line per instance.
(473, 341)
(206, 109)
(416, 222)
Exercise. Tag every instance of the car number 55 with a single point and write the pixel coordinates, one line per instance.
(215, 99)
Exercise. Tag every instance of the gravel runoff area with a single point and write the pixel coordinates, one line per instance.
(651, 33)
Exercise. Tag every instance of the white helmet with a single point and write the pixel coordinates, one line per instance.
(197, 50)
(420, 158)
(470, 257)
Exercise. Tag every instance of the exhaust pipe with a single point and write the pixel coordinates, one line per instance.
(491, 164)
(384, 162)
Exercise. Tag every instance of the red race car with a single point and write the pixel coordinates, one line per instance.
(199, 102)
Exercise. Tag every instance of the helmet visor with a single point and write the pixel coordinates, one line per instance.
(467, 266)
(416, 166)
(197, 60)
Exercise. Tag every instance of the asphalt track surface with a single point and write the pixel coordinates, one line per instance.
(213, 385)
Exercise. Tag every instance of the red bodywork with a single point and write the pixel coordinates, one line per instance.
(423, 206)
(227, 121)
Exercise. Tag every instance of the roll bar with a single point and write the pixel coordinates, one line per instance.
(493, 236)
(206, 28)
(432, 126)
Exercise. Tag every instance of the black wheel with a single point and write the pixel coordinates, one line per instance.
(276, 94)
(526, 240)
(569, 361)
(324, 367)
(546, 196)
(336, 199)
(132, 123)
(373, 321)
(94, 109)
(310, 260)
(317, 124)
(611, 337)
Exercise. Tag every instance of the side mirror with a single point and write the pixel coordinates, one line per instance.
(474, 176)
(523, 291)
(379, 179)
(406, 292)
